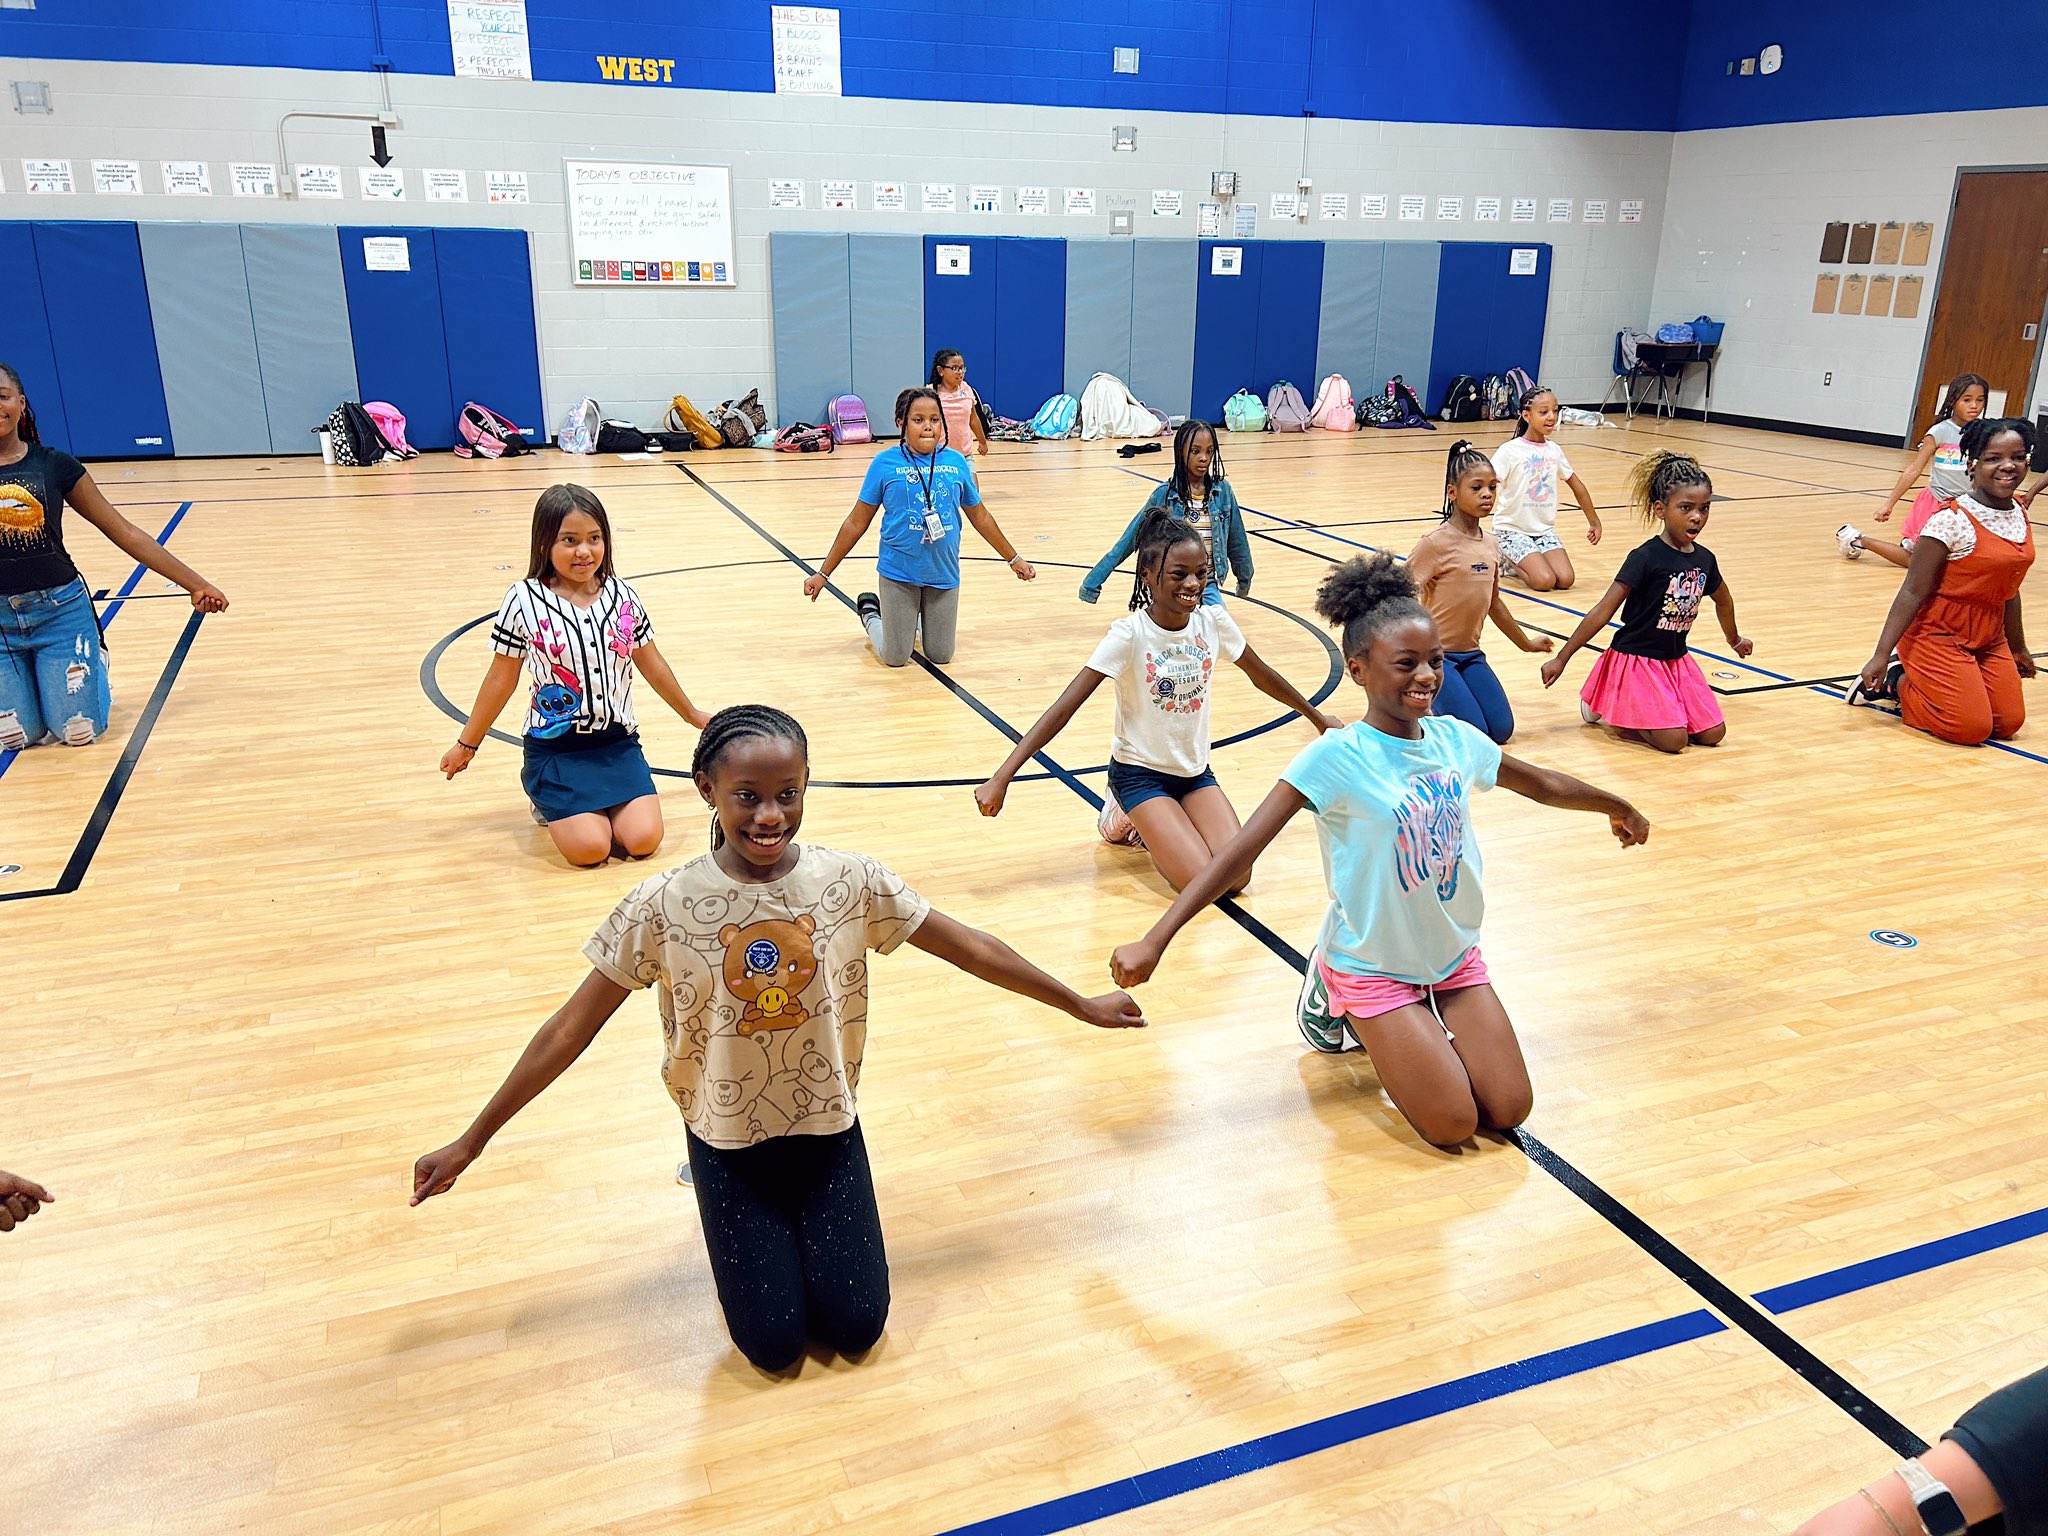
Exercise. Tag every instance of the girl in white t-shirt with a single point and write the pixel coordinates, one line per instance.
(1161, 655)
(1531, 467)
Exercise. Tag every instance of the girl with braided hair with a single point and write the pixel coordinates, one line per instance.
(757, 951)
(1646, 686)
(1198, 494)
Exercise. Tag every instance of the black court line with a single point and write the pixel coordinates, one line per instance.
(1737, 1309)
(117, 783)
(1754, 474)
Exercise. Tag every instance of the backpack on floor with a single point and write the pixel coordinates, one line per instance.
(1008, 430)
(578, 432)
(1286, 411)
(740, 421)
(481, 433)
(1406, 399)
(1243, 413)
(1056, 418)
(1493, 398)
(620, 437)
(673, 442)
(1334, 410)
(685, 417)
(1109, 409)
(1519, 384)
(391, 427)
(1378, 411)
(1462, 400)
(802, 437)
(847, 417)
(355, 437)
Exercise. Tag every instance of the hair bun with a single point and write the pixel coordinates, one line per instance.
(1361, 584)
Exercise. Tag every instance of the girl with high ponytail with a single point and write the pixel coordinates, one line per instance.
(1396, 968)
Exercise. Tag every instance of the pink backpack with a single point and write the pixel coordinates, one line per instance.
(1335, 410)
(481, 433)
(847, 418)
(802, 437)
(1286, 411)
(391, 425)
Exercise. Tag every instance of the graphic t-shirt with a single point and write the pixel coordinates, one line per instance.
(1460, 599)
(905, 485)
(1530, 474)
(32, 492)
(1398, 852)
(958, 404)
(1162, 686)
(580, 659)
(1954, 527)
(1665, 589)
(763, 987)
(1948, 476)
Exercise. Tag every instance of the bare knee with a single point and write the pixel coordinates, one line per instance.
(1563, 583)
(1713, 736)
(1538, 581)
(1505, 1110)
(1448, 1124)
(13, 735)
(583, 849)
(1666, 741)
(78, 731)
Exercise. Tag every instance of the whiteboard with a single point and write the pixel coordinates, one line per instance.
(669, 225)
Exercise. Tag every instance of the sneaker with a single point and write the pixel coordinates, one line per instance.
(1322, 1030)
(868, 606)
(1859, 695)
(1588, 714)
(1894, 674)
(1850, 541)
(1114, 826)
(538, 819)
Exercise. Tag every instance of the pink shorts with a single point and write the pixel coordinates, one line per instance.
(1367, 997)
(1925, 505)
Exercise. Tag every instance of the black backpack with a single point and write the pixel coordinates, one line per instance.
(1462, 400)
(356, 438)
(620, 437)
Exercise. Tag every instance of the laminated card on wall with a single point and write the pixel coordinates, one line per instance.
(785, 193)
(1166, 203)
(117, 178)
(1486, 210)
(447, 186)
(632, 222)
(984, 199)
(506, 186)
(251, 180)
(187, 178)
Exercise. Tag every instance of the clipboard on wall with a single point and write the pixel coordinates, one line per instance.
(1890, 237)
(1852, 295)
(1824, 292)
(1862, 241)
(1906, 303)
(1877, 299)
(1919, 241)
(1834, 242)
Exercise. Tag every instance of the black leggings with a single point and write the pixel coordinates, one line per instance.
(795, 1244)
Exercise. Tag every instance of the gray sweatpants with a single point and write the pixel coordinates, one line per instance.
(903, 605)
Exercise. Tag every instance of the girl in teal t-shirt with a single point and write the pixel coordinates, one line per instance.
(1396, 967)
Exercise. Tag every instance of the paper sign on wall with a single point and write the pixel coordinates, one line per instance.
(447, 186)
(1036, 201)
(1372, 205)
(1631, 210)
(117, 178)
(1594, 211)
(1286, 205)
(1244, 219)
(1336, 205)
(506, 186)
(806, 50)
(1486, 210)
(1226, 261)
(1080, 201)
(1523, 210)
(1561, 210)
(1450, 210)
(47, 176)
(187, 178)
(252, 180)
(940, 197)
(984, 199)
(1414, 206)
(386, 253)
(952, 260)
(1166, 204)
(319, 180)
(1522, 261)
(380, 184)
(785, 194)
(888, 197)
(1209, 220)
(488, 39)
(837, 196)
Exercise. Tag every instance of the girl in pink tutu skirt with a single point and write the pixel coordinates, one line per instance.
(1646, 686)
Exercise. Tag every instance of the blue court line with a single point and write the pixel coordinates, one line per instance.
(127, 589)
(1354, 1424)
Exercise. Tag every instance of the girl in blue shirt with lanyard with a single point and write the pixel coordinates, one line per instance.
(1397, 967)
(922, 490)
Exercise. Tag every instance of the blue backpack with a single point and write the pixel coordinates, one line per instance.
(1680, 332)
(1056, 418)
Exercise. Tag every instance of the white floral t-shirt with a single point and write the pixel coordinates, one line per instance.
(1162, 686)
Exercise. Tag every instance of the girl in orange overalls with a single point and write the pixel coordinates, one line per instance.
(1956, 621)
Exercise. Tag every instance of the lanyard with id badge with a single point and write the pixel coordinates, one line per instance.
(927, 481)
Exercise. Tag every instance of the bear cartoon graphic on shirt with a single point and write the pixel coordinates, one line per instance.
(767, 966)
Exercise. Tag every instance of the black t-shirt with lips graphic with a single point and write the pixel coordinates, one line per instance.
(32, 492)
(1665, 590)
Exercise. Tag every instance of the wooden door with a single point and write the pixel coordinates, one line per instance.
(1994, 284)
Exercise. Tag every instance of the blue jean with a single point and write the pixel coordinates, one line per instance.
(53, 677)
(1471, 693)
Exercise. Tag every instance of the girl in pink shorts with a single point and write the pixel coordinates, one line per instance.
(1396, 968)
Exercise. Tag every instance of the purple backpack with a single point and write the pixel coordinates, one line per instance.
(847, 417)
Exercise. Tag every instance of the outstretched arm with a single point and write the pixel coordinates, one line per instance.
(1546, 786)
(1276, 687)
(662, 679)
(1591, 625)
(491, 699)
(1505, 621)
(850, 531)
(547, 1056)
(1092, 583)
(1048, 725)
(1912, 472)
(138, 546)
(1135, 963)
(1585, 500)
(1724, 609)
(987, 957)
(985, 525)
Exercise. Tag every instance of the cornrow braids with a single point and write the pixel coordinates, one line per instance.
(1658, 474)
(910, 397)
(737, 723)
(939, 360)
(1529, 398)
(1159, 532)
(1365, 595)
(1463, 456)
(1183, 439)
(26, 431)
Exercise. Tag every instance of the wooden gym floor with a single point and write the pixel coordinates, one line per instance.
(264, 956)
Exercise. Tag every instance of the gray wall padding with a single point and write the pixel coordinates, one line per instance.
(300, 312)
(1098, 310)
(812, 298)
(888, 322)
(1163, 323)
(206, 338)
(1407, 326)
(1348, 340)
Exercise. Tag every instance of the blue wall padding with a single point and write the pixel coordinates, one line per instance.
(888, 345)
(1487, 319)
(97, 303)
(488, 326)
(1347, 331)
(300, 309)
(960, 312)
(1407, 314)
(1162, 332)
(1099, 310)
(1031, 326)
(1290, 316)
(396, 325)
(812, 300)
(1226, 328)
(25, 333)
(206, 338)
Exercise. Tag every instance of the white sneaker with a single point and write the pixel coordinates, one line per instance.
(1587, 714)
(1850, 541)
(1322, 1029)
(1114, 826)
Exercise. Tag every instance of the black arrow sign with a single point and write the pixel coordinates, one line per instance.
(378, 152)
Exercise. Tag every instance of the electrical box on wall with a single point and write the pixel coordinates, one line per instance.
(1223, 183)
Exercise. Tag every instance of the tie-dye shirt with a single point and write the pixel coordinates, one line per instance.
(580, 660)
(1392, 820)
